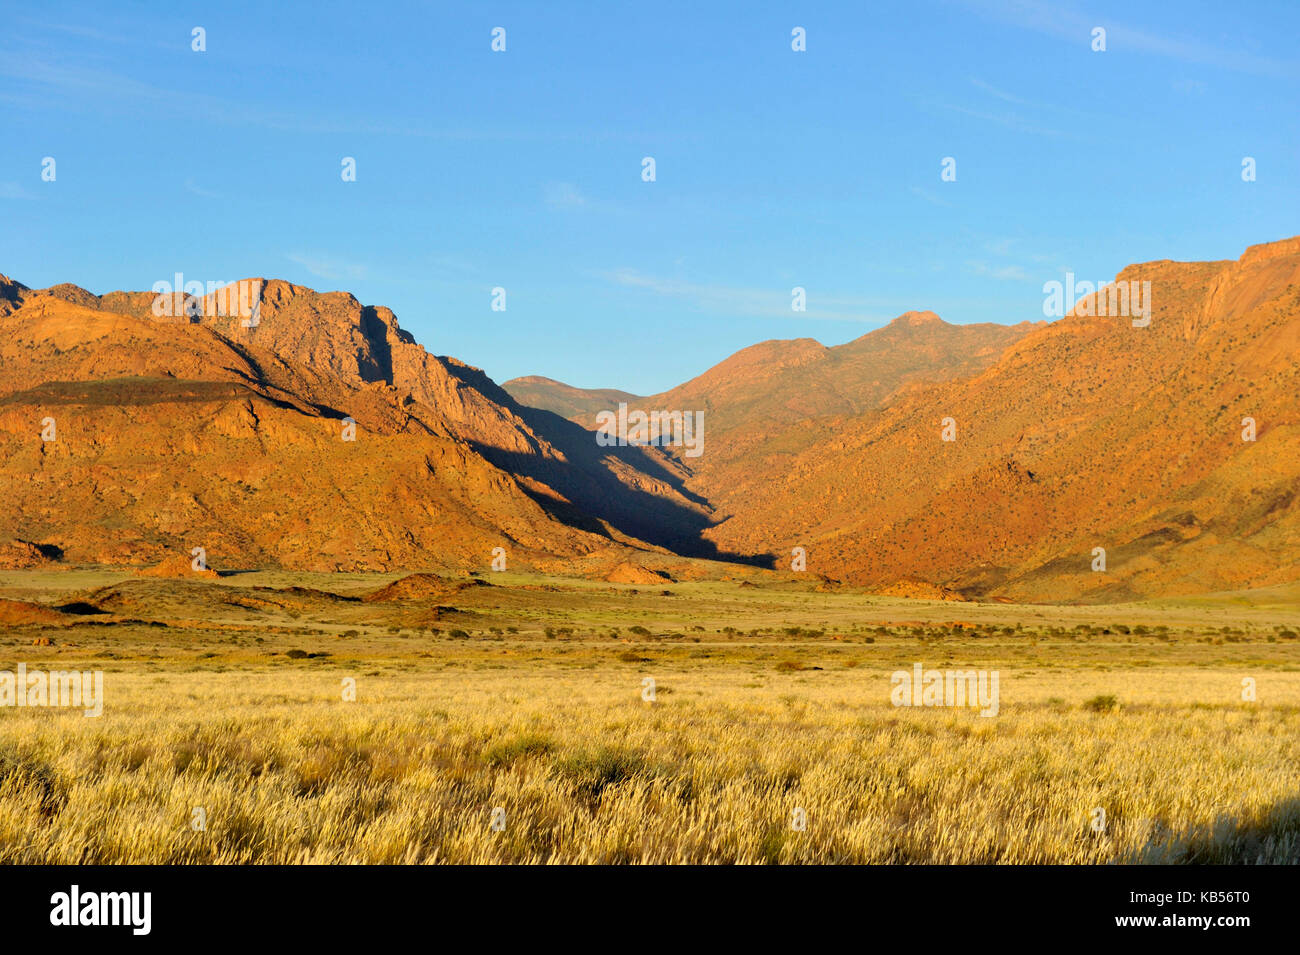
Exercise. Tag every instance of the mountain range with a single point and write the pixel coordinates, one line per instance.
(1092, 431)
(196, 431)
(1088, 458)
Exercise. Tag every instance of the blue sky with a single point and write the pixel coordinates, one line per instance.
(522, 169)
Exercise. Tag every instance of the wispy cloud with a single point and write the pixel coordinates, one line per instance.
(568, 197)
(1020, 119)
(197, 190)
(929, 196)
(994, 91)
(1010, 120)
(750, 301)
(1008, 273)
(1062, 20)
(453, 268)
(90, 33)
(12, 190)
(41, 83)
(327, 267)
(564, 195)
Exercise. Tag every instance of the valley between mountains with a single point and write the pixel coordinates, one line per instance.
(196, 430)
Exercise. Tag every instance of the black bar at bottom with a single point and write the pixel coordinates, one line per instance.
(329, 905)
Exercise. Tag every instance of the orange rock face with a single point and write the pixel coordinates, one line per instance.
(629, 573)
(179, 565)
(321, 438)
(1086, 433)
(18, 612)
(1174, 447)
(1089, 458)
(24, 555)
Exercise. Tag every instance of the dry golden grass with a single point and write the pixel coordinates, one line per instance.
(527, 696)
(286, 771)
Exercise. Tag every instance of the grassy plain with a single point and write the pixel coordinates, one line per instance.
(520, 699)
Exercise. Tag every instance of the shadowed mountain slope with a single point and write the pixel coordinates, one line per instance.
(1080, 434)
(564, 400)
(195, 430)
(1086, 433)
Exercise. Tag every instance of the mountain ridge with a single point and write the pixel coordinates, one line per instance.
(106, 365)
(984, 461)
(860, 477)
